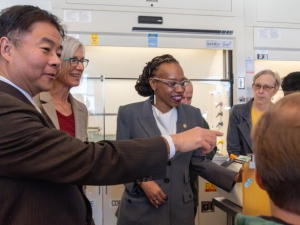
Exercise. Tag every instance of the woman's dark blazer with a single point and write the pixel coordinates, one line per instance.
(137, 121)
(239, 129)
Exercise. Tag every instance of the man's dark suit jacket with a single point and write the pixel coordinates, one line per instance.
(40, 166)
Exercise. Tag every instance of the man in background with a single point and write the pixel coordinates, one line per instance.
(187, 99)
(277, 155)
(291, 83)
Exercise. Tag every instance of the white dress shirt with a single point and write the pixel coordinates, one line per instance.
(166, 123)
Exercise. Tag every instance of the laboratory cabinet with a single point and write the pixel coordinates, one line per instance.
(272, 13)
(206, 7)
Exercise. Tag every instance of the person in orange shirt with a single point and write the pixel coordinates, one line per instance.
(244, 116)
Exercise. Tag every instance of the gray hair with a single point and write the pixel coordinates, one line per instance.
(274, 74)
(70, 46)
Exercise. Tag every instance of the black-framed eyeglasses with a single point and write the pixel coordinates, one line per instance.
(75, 61)
(265, 87)
(173, 83)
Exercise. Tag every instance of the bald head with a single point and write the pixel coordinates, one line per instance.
(188, 94)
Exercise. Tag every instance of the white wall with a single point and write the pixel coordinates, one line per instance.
(272, 27)
(43, 4)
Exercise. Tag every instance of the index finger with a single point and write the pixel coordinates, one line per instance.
(217, 133)
(213, 133)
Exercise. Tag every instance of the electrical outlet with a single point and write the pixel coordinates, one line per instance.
(207, 207)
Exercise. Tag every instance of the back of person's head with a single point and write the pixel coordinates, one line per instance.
(291, 83)
(70, 46)
(276, 145)
(142, 85)
(17, 20)
(267, 71)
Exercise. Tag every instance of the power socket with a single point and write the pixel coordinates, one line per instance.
(207, 207)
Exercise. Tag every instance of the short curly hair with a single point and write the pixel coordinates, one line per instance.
(142, 85)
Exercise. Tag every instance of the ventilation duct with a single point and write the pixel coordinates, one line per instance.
(177, 30)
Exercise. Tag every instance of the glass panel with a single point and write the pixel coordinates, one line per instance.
(110, 127)
(120, 92)
(128, 62)
(213, 99)
(90, 92)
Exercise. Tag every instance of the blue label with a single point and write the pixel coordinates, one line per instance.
(248, 182)
(152, 40)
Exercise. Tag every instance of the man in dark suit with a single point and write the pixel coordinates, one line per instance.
(41, 167)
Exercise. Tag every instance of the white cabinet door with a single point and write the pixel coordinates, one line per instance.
(214, 5)
(111, 200)
(94, 194)
(90, 92)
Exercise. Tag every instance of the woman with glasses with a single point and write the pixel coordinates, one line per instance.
(244, 116)
(169, 200)
(58, 105)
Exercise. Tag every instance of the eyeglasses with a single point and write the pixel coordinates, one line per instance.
(74, 61)
(265, 87)
(172, 83)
